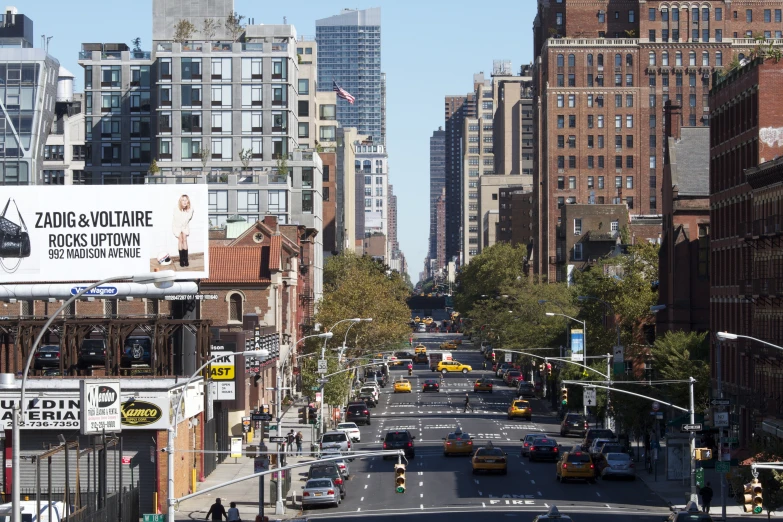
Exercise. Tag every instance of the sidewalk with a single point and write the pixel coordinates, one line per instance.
(674, 492)
(245, 493)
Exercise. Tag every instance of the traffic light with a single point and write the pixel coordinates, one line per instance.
(564, 396)
(757, 500)
(493, 356)
(703, 454)
(549, 368)
(410, 341)
(399, 478)
(303, 415)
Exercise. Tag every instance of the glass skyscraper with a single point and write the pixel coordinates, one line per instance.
(349, 53)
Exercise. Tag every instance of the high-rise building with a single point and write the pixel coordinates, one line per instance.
(457, 108)
(372, 179)
(440, 230)
(394, 245)
(603, 74)
(29, 77)
(349, 53)
(437, 184)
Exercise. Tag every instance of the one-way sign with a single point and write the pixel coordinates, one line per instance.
(720, 402)
(691, 427)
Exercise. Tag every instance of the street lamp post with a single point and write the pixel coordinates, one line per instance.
(165, 276)
(172, 430)
(584, 346)
(345, 341)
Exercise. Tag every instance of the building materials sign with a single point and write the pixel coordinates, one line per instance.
(91, 232)
(100, 407)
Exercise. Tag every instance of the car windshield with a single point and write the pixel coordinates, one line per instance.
(489, 452)
(600, 442)
(618, 456)
(462, 436)
(601, 434)
(49, 349)
(578, 457)
(525, 385)
(575, 418)
(397, 436)
(430, 381)
(611, 448)
(333, 437)
(319, 483)
(521, 404)
(513, 373)
(403, 382)
(347, 426)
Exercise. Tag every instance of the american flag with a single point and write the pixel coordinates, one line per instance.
(342, 93)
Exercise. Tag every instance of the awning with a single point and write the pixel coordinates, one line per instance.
(773, 426)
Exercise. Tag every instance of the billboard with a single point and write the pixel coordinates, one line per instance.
(100, 407)
(92, 232)
(577, 345)
(223, 369)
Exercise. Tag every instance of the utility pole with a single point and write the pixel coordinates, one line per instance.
(718, 362)
(279, 505)
(609, 418)
(692, 436)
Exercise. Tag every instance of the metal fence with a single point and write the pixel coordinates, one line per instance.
(119, 506)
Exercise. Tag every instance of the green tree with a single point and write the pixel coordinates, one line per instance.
(495, 268)
(336, 390)
(678, 356)
(183, 31)
(234, 25)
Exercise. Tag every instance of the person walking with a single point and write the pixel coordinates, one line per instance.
(485, 364)
(233, 513)
(217, 512)
(290, 439)
(706, 498)
(298, 440)
(467, 404)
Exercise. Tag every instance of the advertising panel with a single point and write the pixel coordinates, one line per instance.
(92, 232)
(577, 345)
(100, 407)
(223, 368)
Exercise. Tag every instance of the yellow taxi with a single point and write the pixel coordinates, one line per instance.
(520, 409)
(417, 319)
(457, 443)
(489, 458)
(420, 349)
(482, 384)
(575, 465)
(453, 366)
(448, 345)
(402, 386)
(428, 320)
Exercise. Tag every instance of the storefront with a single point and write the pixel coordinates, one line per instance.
(52, 414)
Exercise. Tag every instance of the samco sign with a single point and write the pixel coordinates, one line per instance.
(89, 232)
(140, 414)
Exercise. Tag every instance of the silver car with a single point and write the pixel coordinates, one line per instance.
(618, 465)
(320, 491)
(345, 471)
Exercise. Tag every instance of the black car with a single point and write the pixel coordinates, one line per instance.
(525, 389)
(399, 440)
(328, 470)
(47, 356)
(137, 351)
(573, 424)
(543, 449)
(92, 352)
(430, 385)
(421, 358)
(403, 355)
(358, 413)
(368, 398)
(596, 433)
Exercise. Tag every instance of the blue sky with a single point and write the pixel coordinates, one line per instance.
(431, 48)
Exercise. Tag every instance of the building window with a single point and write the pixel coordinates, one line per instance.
(629, 179)
(577, 226)
(577, 251)
(600, 181)
(572, 182)
(748, 15)
(652, 59)
(590, 180)
(704, 249)
(651, 14)
(629, 202)
(235, 307)
(615, 226)
(653, 203)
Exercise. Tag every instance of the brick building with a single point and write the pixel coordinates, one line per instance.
(684, 255)
(746, 203)
(604, 71)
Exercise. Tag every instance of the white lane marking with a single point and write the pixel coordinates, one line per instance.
(421, 473)
(358, 509)
(481, 494)
(539, 494)
(362, 499)
(532, 481)
(421, 495)
(597, 493)
(368, 476)
(546, 505)
(527, 471)
(421, 506)
(476, 481)
(365, 486)
(421, 484)
(483, 504)
(607, 505)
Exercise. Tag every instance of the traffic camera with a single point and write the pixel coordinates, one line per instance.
(564, 396)
(399, 478)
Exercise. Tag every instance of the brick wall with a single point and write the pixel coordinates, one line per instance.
(187, 439)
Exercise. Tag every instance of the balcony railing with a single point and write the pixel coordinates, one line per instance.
(221, 47)
(252, 47)
(217, 178)
(279, 47)
(164, 47)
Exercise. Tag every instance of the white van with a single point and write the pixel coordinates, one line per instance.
(29, 514)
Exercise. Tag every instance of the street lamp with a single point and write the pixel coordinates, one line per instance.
(172, 430)
(342, 350)
(583, 323)
(165, 276)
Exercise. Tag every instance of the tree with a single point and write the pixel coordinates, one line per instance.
(183, 31)
(204, 155)
(245, 155)
(234, 25)
(679, 356)
(336, 390)
(496, 267)
(136, 43)
(282, 166)
(208, 28)
(154, 169)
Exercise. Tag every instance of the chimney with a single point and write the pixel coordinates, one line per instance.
(672, 120)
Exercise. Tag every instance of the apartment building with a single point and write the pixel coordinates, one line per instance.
(437, 184)
(604, 72)
(29, 76)
(65, 151)
(457, 108)
(745, 243)
(440, 231)
(394, 244)
(372, 179)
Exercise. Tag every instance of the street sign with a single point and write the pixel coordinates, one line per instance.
(322, 368)
(721, 420)
(691, 427)
(723, 467)
(245, 424)
(720, 402)
(261, 416)
(589, 397)
(276, 439)
(509, 356)
(656, 406)
(154, 518)
(236, 447)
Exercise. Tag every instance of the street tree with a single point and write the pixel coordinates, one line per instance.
(679, 356)
(496, 267)
(336, 390)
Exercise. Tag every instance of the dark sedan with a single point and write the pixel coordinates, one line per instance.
(46, 357)
(358, 413)
(430, 385)
(543, 449)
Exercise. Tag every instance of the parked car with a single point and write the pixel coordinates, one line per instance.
(92, 352)
(596, 433)
(342, 464)
(336, 439)
(328, 470)
(368, 398)
(352, 430)
(320, 491)
(573, 424)
(137, 351)
(358, 413)
(47, 356)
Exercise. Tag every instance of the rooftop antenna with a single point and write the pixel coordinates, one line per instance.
(285, 20)
(45, 42)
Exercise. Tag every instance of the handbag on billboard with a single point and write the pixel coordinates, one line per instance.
(14, 241)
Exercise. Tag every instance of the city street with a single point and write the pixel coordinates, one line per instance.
(444, 487)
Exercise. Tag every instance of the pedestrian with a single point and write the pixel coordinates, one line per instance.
(467, 403)
(706, 498)
(217, 511)
(485, 364)
(290, 439)
(233, 513)
(298, 440)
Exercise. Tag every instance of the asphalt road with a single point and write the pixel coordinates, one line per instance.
(441, 488)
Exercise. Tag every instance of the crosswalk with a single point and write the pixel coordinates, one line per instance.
(460, 409)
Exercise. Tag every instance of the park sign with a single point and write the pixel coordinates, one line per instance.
(92, 232)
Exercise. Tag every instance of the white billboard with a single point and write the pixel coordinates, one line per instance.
(92, 232)
(101, 410)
